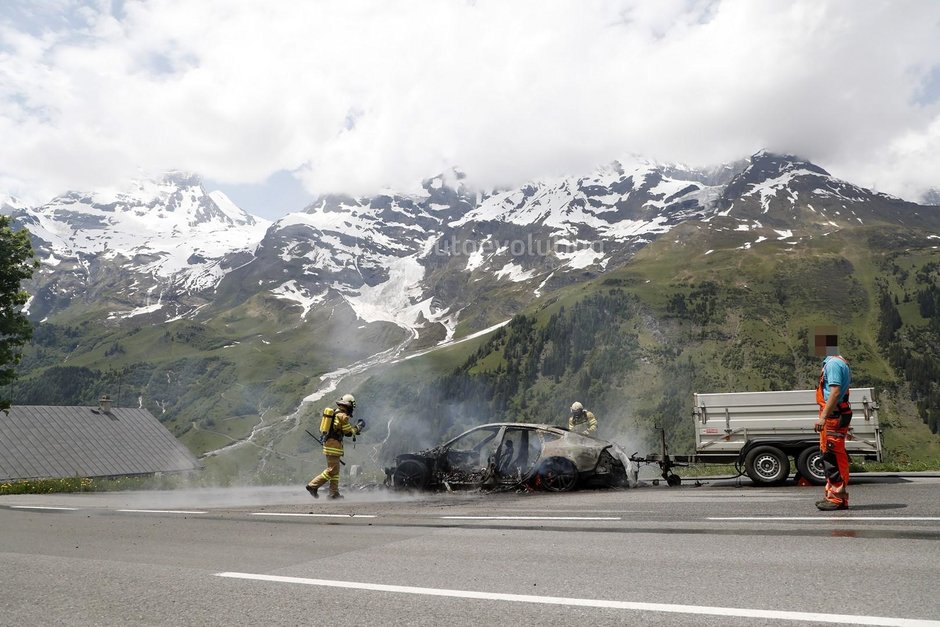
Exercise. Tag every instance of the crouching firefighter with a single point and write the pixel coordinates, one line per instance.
(581, 420)
(835, 416)
(334, 426)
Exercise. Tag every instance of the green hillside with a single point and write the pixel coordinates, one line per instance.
(208, 381)
(708, 307)
(698, 313)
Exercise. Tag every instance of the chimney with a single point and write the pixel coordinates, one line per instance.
(105, 403)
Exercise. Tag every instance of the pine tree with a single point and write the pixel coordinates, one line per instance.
(17, 264)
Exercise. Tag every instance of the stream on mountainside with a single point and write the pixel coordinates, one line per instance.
(329, 382)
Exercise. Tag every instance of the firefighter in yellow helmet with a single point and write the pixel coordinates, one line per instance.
(334, 426)
(581, 420)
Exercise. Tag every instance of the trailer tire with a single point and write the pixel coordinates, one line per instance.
(673, 481)
(767, 465)
(809, 465)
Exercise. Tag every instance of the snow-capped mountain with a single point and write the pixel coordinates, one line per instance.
(229, 326)
(423, 261)
(786, 191)
(170, 235)
(10, 205)
(427, 261)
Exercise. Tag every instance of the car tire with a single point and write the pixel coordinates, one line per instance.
(558, 474)
(809, 464)
(767, 465)
(411, 474)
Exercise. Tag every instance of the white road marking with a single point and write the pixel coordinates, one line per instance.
(531, 518)
(313, 515)
(704, 610)
(67, 509)
(879, 518)
(160, 511)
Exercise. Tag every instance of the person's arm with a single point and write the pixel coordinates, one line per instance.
(835, 393)
(570, 423)
(592, 424)
(347, 428)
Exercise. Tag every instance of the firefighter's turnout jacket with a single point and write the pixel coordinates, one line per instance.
(585, 423)
(334, 426)
(340, 427)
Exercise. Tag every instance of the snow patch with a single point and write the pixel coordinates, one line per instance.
(139, 311)
(538, 290)
(477, 257)
(582, 258)
(293, 292)
(514, 273)
(466, 338)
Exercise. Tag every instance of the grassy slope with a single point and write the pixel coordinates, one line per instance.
(754, 333)
(751, 332)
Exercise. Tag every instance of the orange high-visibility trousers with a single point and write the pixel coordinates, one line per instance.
(836, 465)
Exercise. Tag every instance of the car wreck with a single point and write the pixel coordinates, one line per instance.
(511, 456)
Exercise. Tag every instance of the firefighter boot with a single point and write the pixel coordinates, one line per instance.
(312, 489)
(336, 496)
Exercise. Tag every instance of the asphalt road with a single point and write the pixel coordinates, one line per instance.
(724, 553)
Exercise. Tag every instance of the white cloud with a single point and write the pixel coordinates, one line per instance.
(358, 95)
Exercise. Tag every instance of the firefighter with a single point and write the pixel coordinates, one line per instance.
(334, 426)
(581, 420)
(835, 416)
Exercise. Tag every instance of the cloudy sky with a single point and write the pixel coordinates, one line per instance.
(275, 102)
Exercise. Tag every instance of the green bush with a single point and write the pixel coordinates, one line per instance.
(47, 486)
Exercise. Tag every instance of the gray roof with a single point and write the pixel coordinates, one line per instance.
(45, 441)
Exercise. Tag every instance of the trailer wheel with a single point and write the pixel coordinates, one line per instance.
(673, 480)
(810, 465)
(410, 474)
(767, 465)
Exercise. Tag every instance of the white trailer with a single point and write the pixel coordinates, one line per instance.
(759, 432)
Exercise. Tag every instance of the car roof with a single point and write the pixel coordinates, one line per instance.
(529, 425)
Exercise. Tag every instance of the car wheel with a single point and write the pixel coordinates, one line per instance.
(810, 465)
(673, 481)
(410, 474)
(767, 465)
(558, 475)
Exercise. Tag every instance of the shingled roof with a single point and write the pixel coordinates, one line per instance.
(46, 441)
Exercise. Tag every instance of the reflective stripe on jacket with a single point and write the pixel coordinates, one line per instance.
(333, 442)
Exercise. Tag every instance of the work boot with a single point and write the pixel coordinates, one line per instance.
(312, 489)
(829, 506)
(336, 496)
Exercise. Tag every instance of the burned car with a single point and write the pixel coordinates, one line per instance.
(510, 455)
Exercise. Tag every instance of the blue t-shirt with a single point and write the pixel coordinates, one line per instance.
(836, 372)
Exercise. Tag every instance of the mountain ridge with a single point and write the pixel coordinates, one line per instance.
(349, 285)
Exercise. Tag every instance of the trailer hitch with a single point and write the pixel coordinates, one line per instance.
(664, 460)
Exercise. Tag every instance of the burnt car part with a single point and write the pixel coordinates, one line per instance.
(504, 456)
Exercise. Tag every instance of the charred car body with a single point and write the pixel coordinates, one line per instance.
(507, 455)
